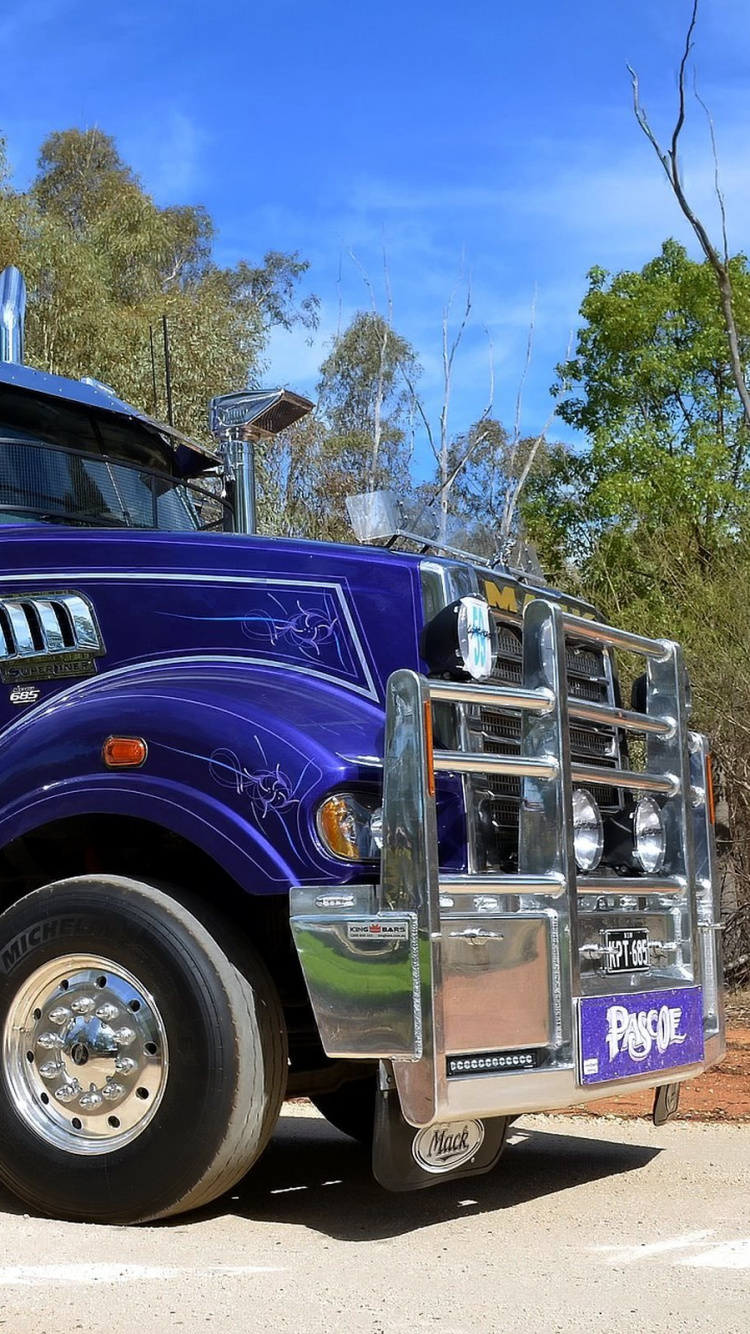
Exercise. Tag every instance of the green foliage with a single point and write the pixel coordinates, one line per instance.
(650, 385)
(366, 363)
(364, 429)
(103, 263)
(649, 519)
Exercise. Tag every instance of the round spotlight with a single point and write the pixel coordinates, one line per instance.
(461, 640)
(649, 835)
(588, 831)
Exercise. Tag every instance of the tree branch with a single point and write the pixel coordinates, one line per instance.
(670, 165)
(717, 183)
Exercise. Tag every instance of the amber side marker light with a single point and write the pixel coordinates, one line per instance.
(124, 752)
(429, 748)
(710, 788)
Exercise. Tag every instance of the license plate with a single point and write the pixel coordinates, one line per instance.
(639, 1033)
(626, 951)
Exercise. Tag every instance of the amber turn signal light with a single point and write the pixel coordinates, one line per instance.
(710, 788)
(429, 748)
(124, 752)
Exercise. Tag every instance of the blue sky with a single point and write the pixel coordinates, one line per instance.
(487, 140)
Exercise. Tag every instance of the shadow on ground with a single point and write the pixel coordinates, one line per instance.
(313, 1176)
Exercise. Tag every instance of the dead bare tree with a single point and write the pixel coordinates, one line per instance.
(449, 468)
(669, 160)
(380, 383)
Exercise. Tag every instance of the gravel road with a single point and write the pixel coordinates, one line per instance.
(585, 1226)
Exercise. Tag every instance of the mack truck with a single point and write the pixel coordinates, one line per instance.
(368, 824)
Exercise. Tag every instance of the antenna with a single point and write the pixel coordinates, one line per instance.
(153, 368)
(167, 370)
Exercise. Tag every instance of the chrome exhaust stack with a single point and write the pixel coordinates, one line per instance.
(239, 422)
(12, 314)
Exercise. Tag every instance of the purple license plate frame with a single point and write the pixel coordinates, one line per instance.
(639, 1033)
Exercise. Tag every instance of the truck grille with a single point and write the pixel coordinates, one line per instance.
(496, 798)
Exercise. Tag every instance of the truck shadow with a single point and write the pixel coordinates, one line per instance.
(313, 1176)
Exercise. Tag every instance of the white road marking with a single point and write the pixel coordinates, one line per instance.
(626, 1255)
(708, 1255)
(728, 1255)
(29, 1276)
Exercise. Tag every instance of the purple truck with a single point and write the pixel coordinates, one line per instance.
(368, 824)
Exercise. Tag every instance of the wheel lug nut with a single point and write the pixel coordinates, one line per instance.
(124, 1036)
(107, 1013)
(111, 1092)
(125, 1065)
(67, 1092)
(49, 1041)
(51, 1070)
(60, 1015)
(83, 1005)
(91, 1099)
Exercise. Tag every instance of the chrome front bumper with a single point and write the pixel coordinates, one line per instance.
(474, 988)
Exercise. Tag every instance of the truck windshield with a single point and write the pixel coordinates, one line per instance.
(42, 482)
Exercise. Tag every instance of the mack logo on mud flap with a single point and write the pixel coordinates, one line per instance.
(442, 1147)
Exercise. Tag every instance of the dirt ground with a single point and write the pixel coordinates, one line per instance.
(722, 1094)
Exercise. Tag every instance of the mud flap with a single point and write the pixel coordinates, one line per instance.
(407, 1159)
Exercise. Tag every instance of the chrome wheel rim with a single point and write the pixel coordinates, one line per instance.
(85, 1054)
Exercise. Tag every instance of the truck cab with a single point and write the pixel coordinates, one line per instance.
(365, 823)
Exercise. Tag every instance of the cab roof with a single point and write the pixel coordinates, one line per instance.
(99, 407)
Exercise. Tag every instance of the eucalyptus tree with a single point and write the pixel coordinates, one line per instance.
(652, 389)
(103, 264)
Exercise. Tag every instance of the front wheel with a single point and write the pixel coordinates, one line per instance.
(142, 1072)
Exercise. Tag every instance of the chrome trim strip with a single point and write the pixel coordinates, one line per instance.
(489, 696)
(668, 785)
(658, 649)
(24, 643)
(84, 626)
(51, 632)
(552, 886)
(609, 716)
(457, 761)
(614, 885)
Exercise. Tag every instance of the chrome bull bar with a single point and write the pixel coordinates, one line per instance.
(433, 970)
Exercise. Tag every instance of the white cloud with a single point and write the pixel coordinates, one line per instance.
(167, 148)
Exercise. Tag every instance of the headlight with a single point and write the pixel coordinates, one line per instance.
(461, 641)
(649, 837)
(350, 828)
(588, 831)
